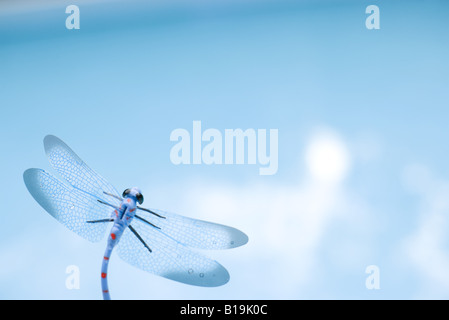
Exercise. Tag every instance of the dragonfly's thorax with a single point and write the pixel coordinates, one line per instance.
(130, 202)
(127, 211)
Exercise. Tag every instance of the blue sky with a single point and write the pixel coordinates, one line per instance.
(363, 151)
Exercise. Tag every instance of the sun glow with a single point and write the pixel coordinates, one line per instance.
(327, 158)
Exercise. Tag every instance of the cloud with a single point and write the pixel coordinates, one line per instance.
(427, 246)
(285, 224)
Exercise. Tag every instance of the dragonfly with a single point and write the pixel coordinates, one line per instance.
(159, 242)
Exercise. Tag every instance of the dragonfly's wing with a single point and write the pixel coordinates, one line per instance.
(68, 205)
(195, 233)
(169, 258)
(169, 235)
(67, 163)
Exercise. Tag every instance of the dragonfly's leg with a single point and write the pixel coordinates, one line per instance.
(140, 218)
(139, 237)
(102, 220)
(152, 212)
(108, 204)
(113, 195)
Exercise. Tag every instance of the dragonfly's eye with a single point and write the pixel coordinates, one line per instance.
(126, 192)
(139, 198)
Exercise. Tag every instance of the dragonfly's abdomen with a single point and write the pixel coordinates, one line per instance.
(113, 239)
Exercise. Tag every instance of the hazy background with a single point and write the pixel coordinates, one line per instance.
(362, 116)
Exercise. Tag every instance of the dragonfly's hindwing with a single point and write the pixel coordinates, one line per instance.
(69, 206)
(169, 258)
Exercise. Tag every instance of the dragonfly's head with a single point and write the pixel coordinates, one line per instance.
(133, 193)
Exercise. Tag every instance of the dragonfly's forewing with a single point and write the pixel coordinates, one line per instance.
(67, 163)
(169, 258)
(68, 205)
(196, 233)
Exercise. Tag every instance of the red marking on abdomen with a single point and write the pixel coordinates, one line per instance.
(132, 210)
(103, 275)
(106, 258)
(105, 291)
(113, 236)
